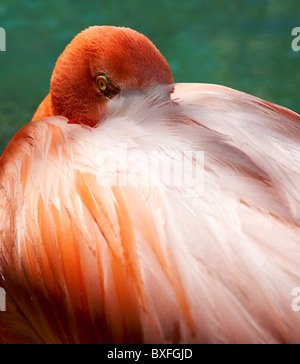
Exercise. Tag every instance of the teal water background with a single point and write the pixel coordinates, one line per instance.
(244, 44)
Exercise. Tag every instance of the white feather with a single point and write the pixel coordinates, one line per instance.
(226, 254)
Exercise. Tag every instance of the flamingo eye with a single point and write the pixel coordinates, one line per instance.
(106, 87)
(102, 83)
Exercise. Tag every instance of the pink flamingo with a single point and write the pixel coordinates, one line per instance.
(84, 260)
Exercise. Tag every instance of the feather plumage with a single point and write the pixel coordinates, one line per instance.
(85, 260)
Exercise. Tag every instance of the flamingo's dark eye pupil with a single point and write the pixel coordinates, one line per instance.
(102, 83)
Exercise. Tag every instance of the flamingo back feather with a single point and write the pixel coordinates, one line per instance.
(84, 260)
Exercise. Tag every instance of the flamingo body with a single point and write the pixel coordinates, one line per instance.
(84, 260)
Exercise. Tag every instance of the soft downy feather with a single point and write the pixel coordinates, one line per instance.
(85, 259)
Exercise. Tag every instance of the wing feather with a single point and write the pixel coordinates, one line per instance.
(84, 259)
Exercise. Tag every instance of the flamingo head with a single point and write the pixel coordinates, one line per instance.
(97, 65)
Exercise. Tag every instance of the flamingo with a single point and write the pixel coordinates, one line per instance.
(85, 258)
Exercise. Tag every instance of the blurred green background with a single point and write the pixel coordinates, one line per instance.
(244, 44)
